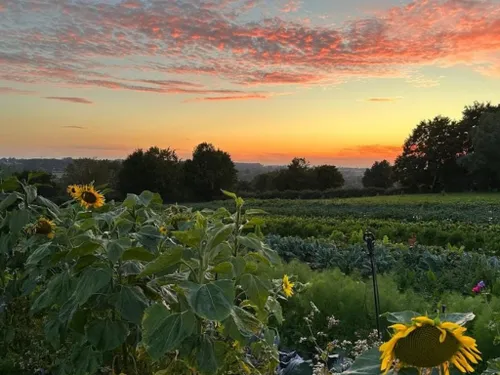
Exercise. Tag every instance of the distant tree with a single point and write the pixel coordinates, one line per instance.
(209, 171)
(379, 175)
(265, 181)
(44, 182)
(157, 170)
(484, 160)
(429, 157)
(327, 177)
(99, 171)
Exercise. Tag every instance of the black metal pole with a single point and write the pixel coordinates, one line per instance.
(370, 244)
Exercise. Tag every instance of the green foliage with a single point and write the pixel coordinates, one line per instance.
(209, 171)
(110, 291)
(379, 175)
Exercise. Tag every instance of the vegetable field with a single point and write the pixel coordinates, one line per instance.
(94, 287)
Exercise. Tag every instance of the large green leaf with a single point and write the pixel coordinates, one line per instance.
(52, 329)
(224, 267)
(205, 356)
(39, 254)
(257, 289)
(367, 363)
(163, 331)
(85, 248)
(138, 253)
(90, 282)
(169, 258)
(31, 193)
(9, 184)
(458, 318)
(220, 236)
(84, 360)
(130, 302)
(106, 334)
(493, 367)
(250, 241)
(274, 307)
(246, 322)
(401, 317)
(148, 198)
(9, 201)
(239, 264)
(115, 250)
(51, 206)
(191, 238)
(211, 301)
(18, 219)
(58, 291)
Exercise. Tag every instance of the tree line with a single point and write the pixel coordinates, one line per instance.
(440, 154)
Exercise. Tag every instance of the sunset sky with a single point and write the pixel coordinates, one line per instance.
(334, 81)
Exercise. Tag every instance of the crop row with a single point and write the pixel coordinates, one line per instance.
(418, 210)
(430, 271)
(473, 237)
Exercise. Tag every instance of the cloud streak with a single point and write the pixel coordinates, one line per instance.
(74, 127)
(384, 99)
(100, 44)
(70, 99)
(14, 91)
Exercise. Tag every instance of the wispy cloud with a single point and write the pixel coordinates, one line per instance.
(73, 127)
(384, 99)
(12, 90)
(226, 98)
(78, 43)
(70, 99)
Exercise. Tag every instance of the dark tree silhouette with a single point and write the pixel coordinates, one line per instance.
(157, 170)
(379, 175)
(209, 171)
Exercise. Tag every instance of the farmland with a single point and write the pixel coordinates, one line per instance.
(138, 286)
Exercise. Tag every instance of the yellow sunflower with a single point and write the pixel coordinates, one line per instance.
(73, 190)
(45, 227)
(287, 286)
(89, 197)
(428, 343)
(163, 230)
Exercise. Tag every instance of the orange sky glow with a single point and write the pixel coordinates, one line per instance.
(340, 83)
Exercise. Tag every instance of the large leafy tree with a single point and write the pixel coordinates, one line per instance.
(98, 171)
(484, 159)
(208, 172)
(157, 170)
(379, 175)
(327, 177)
(429, 157)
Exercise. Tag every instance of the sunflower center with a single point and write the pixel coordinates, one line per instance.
(43, 227)
(421, 348)
(89, 197)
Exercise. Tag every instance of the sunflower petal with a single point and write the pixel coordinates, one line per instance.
(423, 320)
(458, 365)
(442, 336)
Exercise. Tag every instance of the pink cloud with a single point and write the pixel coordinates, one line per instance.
(70, 99)
(291, 6)
(212, 38)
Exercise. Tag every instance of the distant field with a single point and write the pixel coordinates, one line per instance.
(466, 208)
(469, 220)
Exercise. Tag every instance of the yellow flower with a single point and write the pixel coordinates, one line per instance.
(163, 230)
(46, 227)
(287, 286)
(73, 190)
(426, 344)
(89, 197)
